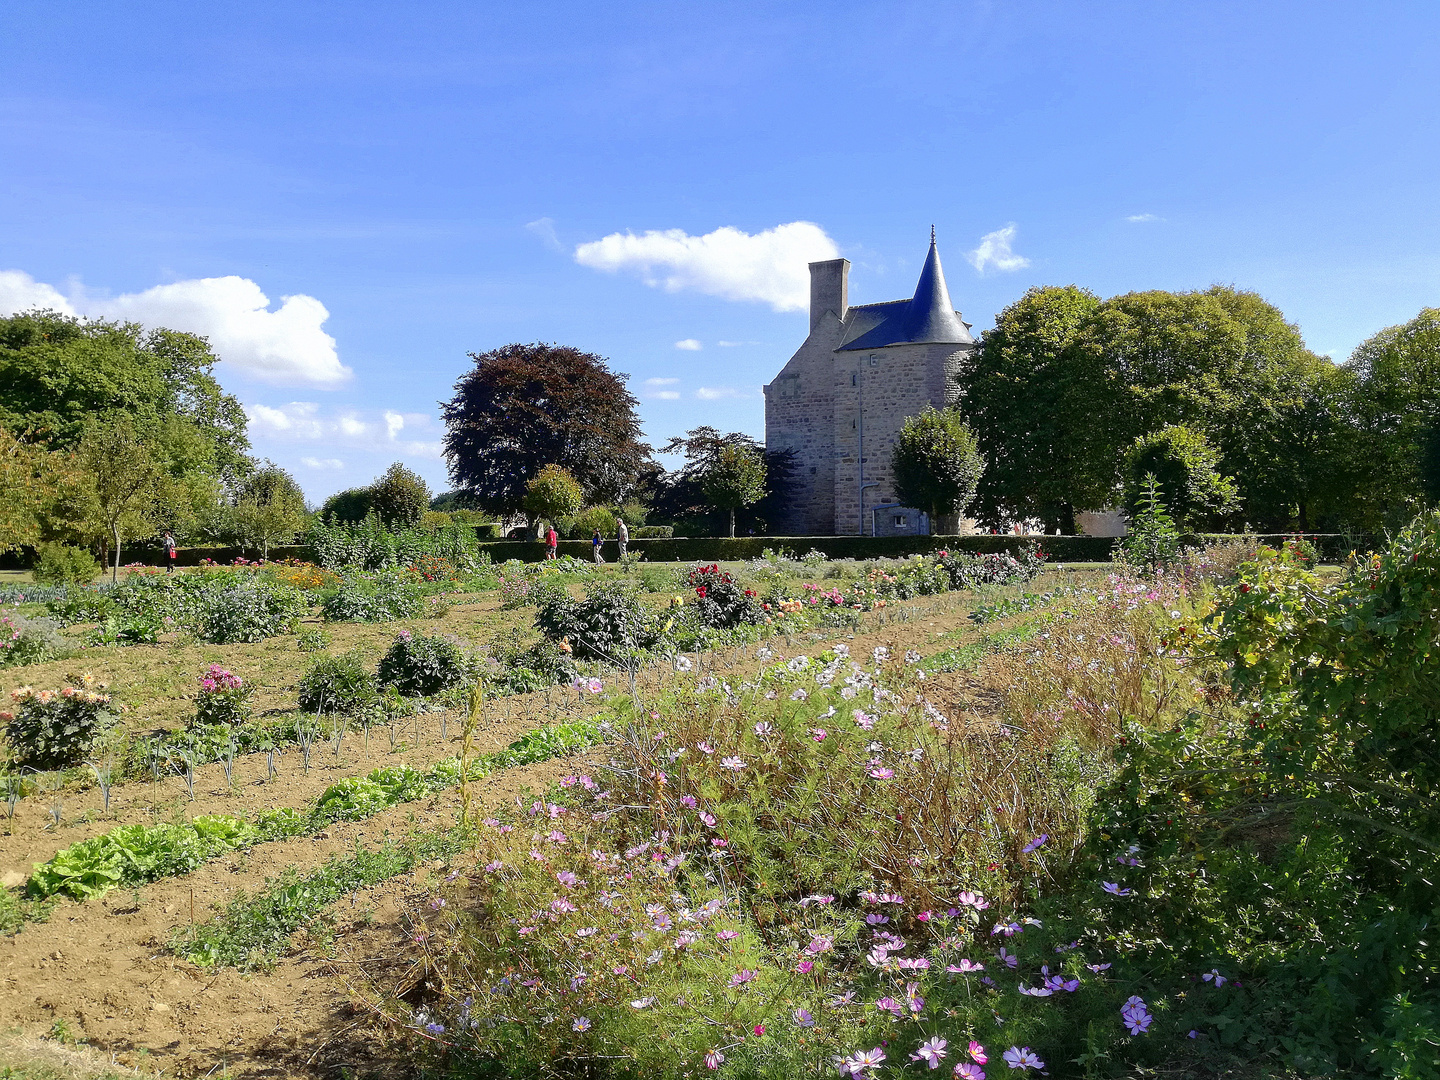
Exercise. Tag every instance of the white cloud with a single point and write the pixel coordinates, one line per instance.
(1138, 218)
(655, 388)
(769, 266)
(545, 229)
(20, 292)
(689, 345)
(715, 393)
(286, 347)
(302, 421)
(994, 250)
(322, 463)
(661, 382)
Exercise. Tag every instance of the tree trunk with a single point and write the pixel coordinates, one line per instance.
(115, 570)
(1067, 519)
(265, 550)
(732, 523)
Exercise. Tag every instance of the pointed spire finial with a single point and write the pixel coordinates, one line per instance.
(932, 234)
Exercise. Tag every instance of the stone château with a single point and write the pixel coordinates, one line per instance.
(842, 399)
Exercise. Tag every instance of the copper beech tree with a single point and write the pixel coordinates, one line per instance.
(522, 407)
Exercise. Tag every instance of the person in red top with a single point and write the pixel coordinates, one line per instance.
(552, 542)
(170, 552)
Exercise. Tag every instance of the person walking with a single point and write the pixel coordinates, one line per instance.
(552, 543)
(170, 552)
(622, 534)
(595, 542)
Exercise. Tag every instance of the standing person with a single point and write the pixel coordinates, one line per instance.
(622, 534)
(552, 543)
(170, 552)
(595, 542)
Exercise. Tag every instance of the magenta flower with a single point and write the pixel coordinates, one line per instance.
(566, 878)
(713, 1059)
(890, 1005)
(740, 978)
(977, 1051)
(820, 943)
(804, 967)
(882, 773)
(932, 1052)
(1022, 1057)
(688, 801)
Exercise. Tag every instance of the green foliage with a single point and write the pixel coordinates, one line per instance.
(49, 729)
(552, 494)
(269, 509)
(734, 478)
(970, 571)
(76, 605)
(611, 623)
(517, 669)
(348, 507)
(1186, 468)
(338, 684)
(382, 596)
(252, 609)
(399, 496)
(223, 698)
(584, 525)
(936, 463)
(313, 640)
(523, 407)
(370, 545)
(420, 665)
(61, 564)
(1153, 540)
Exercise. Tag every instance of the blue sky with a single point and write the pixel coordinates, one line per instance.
(421, 181)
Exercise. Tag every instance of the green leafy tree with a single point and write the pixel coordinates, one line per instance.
(349, 506)
(523, 407)
(399, 496)
(1394, 403)
(125, 482)
(735, 478)
(1153, 540)
(936, 463)
(269, 508)
(33, 482)
(1032, 399)
(1186, 467)
(58, 373)
(552, 494)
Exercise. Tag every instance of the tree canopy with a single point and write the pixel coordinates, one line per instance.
(58, 373)
(523, 407)
(734, 478)
(399, 496)
(936, 463)
(1183, 467)
(552, 494)
(1063, 386)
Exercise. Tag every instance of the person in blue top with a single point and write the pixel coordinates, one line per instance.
(595, 542)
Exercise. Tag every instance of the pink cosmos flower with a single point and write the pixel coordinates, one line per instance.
(932, 1052)
(1011, 960)
(882, 773)
(890, 1005)
(734, 764)
(1022, 1057)
(965, 1071)
(977, 1051)
(804, 967)
(820, 943)
(708, 819)
(1097, 968)
(713, 1059)
(964, 967)
(566, 878)
(975, 900)
(818, 734)
(740, 978)
(687, 801)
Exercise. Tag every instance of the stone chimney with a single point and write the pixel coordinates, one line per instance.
(829, 290)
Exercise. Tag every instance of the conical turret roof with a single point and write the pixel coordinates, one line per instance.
(927, 317)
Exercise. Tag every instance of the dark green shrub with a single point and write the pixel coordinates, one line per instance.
(79, 605)
(543, 664)
(338, 684)
(61, 564)
(580, 526)
(379, 597)
(49, 729)
(423, 664)
(612, 623)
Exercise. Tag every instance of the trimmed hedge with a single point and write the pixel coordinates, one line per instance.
(1062, 549)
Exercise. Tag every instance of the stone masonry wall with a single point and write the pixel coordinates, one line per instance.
(800, 415)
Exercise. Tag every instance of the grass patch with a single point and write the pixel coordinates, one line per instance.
(968, 657)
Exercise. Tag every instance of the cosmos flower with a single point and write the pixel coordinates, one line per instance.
(1022, 1057)
(977, 1051)
(1113, 889)
(683, 663)
(965, 1071)
(1214, 976)
(1039, 841)
(975, 900)
(965, 967)
(932, 1052)
(582, 1023)
(734, 764)
(740, 978)
(713, 1059)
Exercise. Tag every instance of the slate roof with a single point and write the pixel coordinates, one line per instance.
(926, 317)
